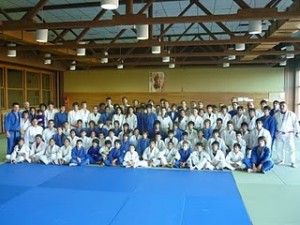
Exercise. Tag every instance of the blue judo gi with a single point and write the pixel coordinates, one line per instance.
(59, 139)
(148, 121)
(257, 157)
(141, 146)
(12, 123)
(115, 153)
(269, 123)
(60, 118)
(94, 155)
(207, 133)
(79, 153)
(184, 155)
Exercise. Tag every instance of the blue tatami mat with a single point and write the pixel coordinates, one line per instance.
(58, 195)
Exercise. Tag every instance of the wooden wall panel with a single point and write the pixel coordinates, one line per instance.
(172, 97)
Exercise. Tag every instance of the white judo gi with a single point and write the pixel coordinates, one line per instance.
(131, 159)
(236, 158)
(255, 134)
(51, 155)
(19, 154)
(30, 134)
(219, 162)
(170, 156)
(65, 154)
(286, 128)
(200, 160)
(37, 150)
(153, 155)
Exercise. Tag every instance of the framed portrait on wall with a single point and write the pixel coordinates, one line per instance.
(156, 81)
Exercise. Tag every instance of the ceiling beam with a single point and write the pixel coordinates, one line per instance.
(252, 14)
(149, 43)
(189, 63)
(5, 14)
(146, 6)
(32, 13)
(97, 17)
(272, 3)
(242, 4)
(165, 30)
(219, 23)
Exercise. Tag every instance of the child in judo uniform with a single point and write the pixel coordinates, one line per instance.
(79, 157)
(20, 153)
(132, 160)
(51, 153)
(115, 156)
(94, 153)
(235, 157)
(199, 159)
(260, 161)
(184, 153)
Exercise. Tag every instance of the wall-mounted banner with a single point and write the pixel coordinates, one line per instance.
(156, 81)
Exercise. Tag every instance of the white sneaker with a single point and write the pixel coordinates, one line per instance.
(72, 164)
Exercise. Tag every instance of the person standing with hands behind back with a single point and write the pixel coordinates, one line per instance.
(287, 127)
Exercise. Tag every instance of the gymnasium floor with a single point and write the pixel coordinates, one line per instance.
(270, 199)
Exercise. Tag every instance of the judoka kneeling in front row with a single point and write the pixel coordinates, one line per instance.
(79, 156)
(132, 159)
(20, 153)
(199, 159)
(260, 161)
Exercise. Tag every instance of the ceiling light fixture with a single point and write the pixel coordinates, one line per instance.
(255, 27)
(231, 57)
(288, 49)
(120, 66)
(47, 59)
(73, 66)
(156, 49)
(105, 59)
(283, 63)
(42, 35)
(81, 51)
(109, 4)
(142, 31)
(11, 52)
(226, 64)
(240, 46)
(166, 59)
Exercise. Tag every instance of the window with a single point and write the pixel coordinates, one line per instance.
(19, 84)
(14, 78)
(15, 88)
(47, 88)
(32, 80)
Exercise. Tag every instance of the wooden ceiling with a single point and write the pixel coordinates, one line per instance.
(192, 33)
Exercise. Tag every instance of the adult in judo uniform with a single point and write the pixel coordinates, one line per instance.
(12, 127)
(287, 127)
